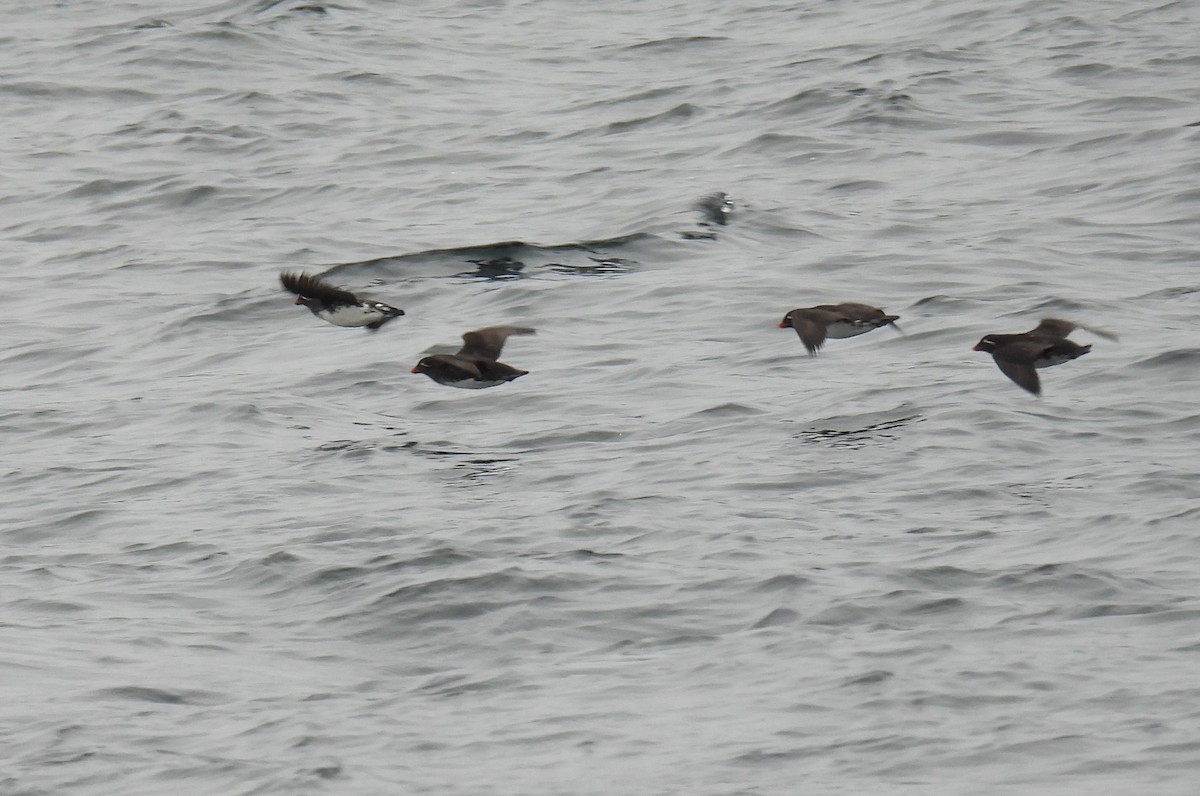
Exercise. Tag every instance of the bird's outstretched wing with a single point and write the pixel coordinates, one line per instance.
(488, 343)
(312, 287)
(1016, 361)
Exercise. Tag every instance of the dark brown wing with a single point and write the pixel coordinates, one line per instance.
(488, 343)
(858, 312)
(1021, 373)
(1015, 360)
(447, 367)
(311, 287)
(1053, 327)
(811, 328)
(498, 371)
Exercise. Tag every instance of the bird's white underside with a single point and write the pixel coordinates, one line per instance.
(352, 315)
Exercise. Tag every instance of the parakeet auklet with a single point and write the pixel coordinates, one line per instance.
(815, 324)
(337, 306)
(474, 366)
(1020, 355)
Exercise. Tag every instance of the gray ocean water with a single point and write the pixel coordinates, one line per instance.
(247, 552)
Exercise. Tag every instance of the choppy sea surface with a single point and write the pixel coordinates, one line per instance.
(243, 551)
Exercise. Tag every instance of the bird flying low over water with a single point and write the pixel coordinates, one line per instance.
(474, 366)
(815, 324)
(1020, 355)
(337, 306)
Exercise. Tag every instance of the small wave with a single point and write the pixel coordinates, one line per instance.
(501, 260)
(161, 696)
(515, 259)
(1187, 359)
(679, 113)
(674, 43)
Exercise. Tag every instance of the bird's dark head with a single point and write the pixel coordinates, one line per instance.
(986, 344)
(304, 300)
(786, 323)
(421, 367)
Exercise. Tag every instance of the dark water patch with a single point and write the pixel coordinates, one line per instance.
(858, 431)
(816, 479)
(61, 93)
(728, 410)
(291, 7)
(966, 702)
(901, 231)
(1191, 515)
(1052, 304)
(1069, 189)
(355, 449)
(806, 103)
(435, 559)
(476, 456)
(600, 266)
(1087, 71)
(941, 606)
(1009, 138)
(1104, 143)
(106, 187)
(1115, 609)
(584, 554)
(1185, 360)
(873, 677)
(157, 695)
(778, 616)
(372, 78)
(1187, 198)
(1114, 107)
(669, 641)
(503, 260)
(510, 582)
(672, 44)
(222, 33)
(57, 523)
(951, 531)
(1186, 615)
(878, 107)
(944, 577)
(673, 116)
(782, 583)
(48, 606)
(1037, 489)
(786, 146)
(1066, 26)
(336, 576)
(949, 304)
(495, 268)
(857, 186)
(311, 9)
(639, 95)
(276, 571)
(459, 684)
(844, 614)
(558, 439)
(772, 759)
(1061, 579)
(413, 617)
(187, 196)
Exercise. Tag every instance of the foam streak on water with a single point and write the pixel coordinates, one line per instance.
(246, 552)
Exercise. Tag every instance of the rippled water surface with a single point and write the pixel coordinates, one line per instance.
(247, 552)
